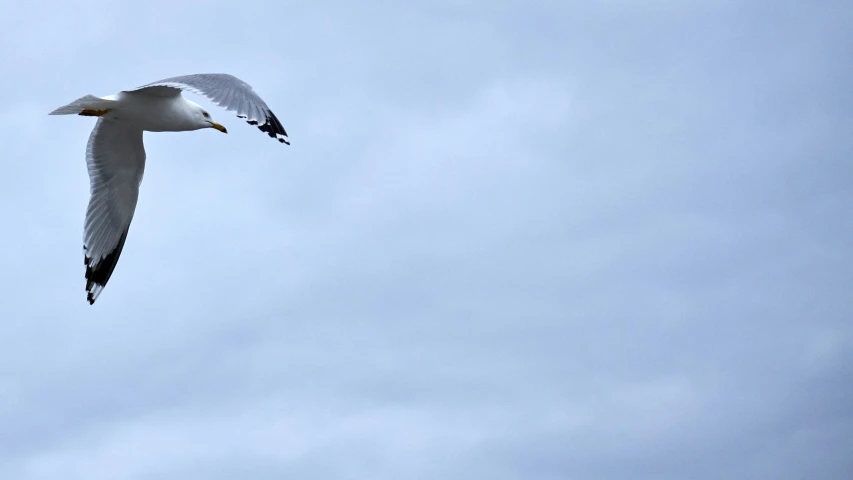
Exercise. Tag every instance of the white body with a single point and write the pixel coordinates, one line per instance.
(155, 113)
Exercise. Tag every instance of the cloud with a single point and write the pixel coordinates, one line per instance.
(592, 240)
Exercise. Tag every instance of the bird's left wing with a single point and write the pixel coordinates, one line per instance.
(226, 91)
(115, 156)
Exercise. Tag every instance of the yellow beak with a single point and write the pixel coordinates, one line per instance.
(218, 127)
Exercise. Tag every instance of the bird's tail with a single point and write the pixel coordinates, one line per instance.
(89, 105)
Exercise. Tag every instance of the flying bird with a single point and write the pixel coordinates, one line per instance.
(115, 154)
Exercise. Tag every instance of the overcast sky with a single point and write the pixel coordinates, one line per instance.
(510, 240)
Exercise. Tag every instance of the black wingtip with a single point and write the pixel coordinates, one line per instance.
(98, 274)
(271, 127)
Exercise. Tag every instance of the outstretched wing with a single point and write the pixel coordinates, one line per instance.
(226, 91)
(115, 156)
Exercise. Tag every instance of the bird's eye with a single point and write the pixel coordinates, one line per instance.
(206, 115)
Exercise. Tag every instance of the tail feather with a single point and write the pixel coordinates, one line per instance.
(88, 102)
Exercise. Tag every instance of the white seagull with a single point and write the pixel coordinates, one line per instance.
(115, 154)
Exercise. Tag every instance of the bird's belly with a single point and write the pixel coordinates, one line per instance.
(151, 123)
(152, 116)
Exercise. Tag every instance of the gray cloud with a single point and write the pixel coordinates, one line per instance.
(599, 240)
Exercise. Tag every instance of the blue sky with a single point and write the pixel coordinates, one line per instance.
(510, 240)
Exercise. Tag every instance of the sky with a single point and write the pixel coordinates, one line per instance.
(510, 240)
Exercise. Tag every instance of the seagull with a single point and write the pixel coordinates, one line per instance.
(115, 154)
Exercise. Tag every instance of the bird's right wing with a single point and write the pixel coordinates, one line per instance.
(115, 157)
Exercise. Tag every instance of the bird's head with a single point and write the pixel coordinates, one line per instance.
(205, 120)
